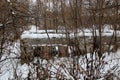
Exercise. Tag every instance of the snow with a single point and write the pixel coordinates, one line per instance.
(43, 36)
(8, 0)
(23, 70)
(7, 65)
(11, 69)
(1, 25)
(35, 33)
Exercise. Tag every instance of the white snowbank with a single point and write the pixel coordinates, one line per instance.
(35, 33)
(11, 67)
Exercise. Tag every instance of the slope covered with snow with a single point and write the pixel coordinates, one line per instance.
(11, 69)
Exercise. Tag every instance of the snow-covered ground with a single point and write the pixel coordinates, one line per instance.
(35, 33)
(11, 69)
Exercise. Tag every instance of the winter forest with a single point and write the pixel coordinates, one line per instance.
(59, 39)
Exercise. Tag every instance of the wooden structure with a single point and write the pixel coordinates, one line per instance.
(31, 48)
